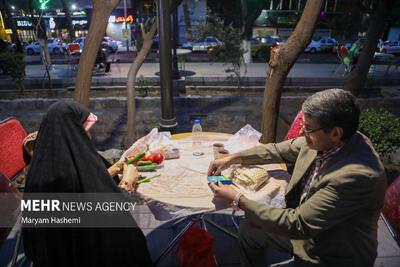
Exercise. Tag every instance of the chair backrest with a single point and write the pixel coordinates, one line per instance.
(12, 135)
(391, 209)
(9, 210)
(295, 128)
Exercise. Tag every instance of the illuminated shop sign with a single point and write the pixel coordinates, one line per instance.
(79, 22)
(24, 23)
(128, 19)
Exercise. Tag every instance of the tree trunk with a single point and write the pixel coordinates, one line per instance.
(71, 33)
(246, 46)
(281, 61)
(130, 84)
(186, 16)
(101, 11)
(44, 48)
(358, 76)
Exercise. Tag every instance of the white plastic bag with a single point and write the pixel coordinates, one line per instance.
(245, 138)
(140, 145)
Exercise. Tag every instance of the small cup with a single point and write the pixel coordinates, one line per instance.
(217, 146)
(221, 153)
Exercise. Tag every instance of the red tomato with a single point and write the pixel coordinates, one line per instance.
(158, 158)
(144, 159)
(151, 158)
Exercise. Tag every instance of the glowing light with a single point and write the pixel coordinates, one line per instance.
(73, 7)
(123, 19)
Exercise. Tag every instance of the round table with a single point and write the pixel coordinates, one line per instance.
(182, 188)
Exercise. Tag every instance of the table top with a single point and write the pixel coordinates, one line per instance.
(182, 188)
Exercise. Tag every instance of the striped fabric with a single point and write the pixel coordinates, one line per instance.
(320, 161)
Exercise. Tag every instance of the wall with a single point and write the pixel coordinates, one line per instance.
(217, 114)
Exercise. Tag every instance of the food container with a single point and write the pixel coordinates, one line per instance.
(221, 153)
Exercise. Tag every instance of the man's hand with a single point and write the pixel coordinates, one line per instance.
(218, 165)
(223, 193)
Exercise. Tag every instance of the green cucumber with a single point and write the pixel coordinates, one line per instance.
(147, 180)
(144, 163)
(147, 168)
(137, 158)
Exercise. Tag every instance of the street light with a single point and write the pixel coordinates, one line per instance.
(73, 7)
(13, 7)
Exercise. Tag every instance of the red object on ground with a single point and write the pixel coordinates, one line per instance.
(295, 128)
(391, 207)
(74, 47)
(12, 135)
(196, 249)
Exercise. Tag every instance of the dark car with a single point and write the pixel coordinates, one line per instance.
(154, 46)
(268, 40)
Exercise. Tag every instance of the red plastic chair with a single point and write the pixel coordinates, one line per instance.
(295, 128)
(391, 209)
(12, 135)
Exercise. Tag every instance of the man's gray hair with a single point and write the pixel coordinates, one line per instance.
(334, 108)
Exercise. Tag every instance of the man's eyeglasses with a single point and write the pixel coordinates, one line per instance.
(308, 131)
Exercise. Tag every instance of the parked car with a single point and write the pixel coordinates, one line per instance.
(80, 41)
(313, 47)
(203, 46)
(327, 44)
(390, 47)
(259, 50)
(107, 41)
(55, 46)
(268, 40)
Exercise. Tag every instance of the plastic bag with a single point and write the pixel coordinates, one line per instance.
(160, 143)
(245, 138)
(140, 145)
(153, 143)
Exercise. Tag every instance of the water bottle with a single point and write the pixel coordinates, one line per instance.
(197, 138)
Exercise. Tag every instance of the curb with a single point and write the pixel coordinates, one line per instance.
(40, 83)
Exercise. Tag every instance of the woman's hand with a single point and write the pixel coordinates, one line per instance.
(130, 177)
(116, 168)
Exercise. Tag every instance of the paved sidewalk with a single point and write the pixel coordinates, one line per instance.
(205, 69)
(207, 74)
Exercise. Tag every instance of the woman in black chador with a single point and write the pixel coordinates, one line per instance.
(65, 160)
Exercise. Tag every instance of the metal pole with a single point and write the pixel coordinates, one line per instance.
(175, 69)
(126, 26)
(168, 120)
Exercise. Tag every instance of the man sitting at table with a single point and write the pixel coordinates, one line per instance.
(333, 198)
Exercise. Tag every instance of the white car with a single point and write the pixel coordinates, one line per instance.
(80, 41)
(208, 42)
(55, 46)
(390, 47)
(110, 42)
(327, 44)
(313, 47)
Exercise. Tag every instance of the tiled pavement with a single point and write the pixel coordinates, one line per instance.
(159, 234)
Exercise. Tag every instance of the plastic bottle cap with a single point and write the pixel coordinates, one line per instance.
(196, 121)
